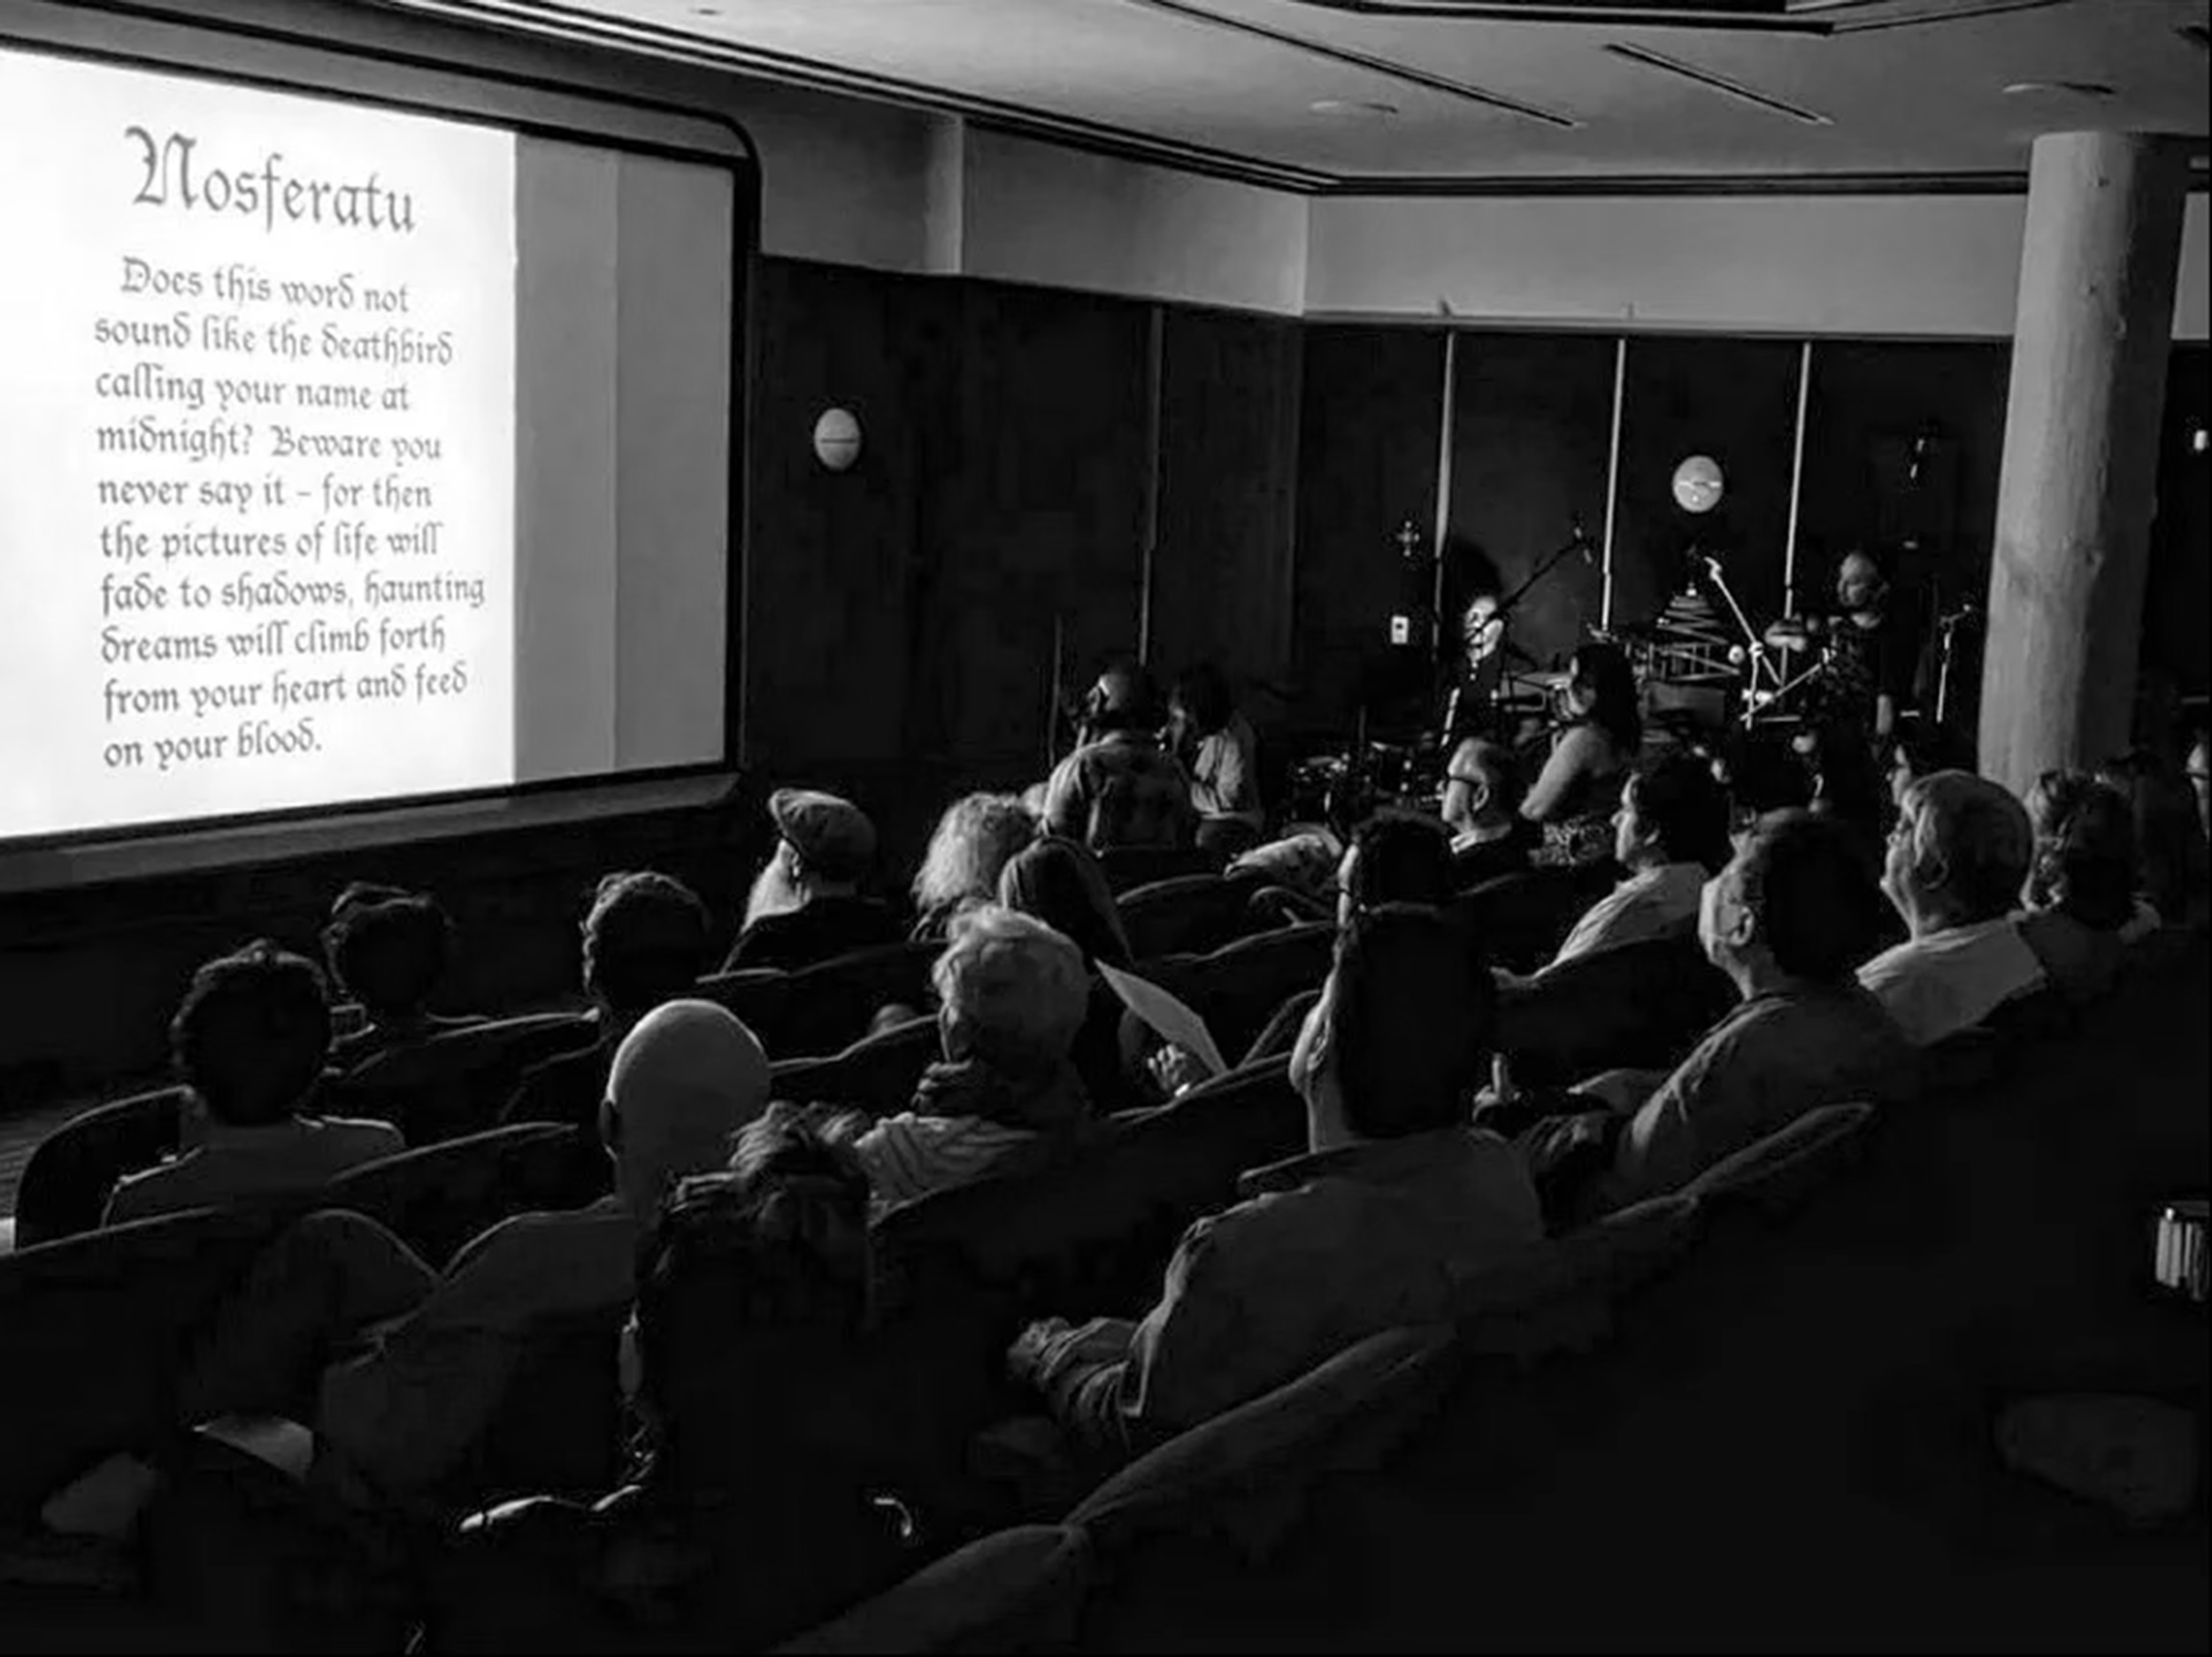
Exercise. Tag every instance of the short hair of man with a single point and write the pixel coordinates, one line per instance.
(1402, 858)
(1977, 835)
(1493, 762)
(645, 941)
(251, 1034)
(2086, 863)
(1815, 896)
(1124, 699)
(1014, 992)
(1412, 1019)
(1682, 806)
(389, 951)
(749, 1281)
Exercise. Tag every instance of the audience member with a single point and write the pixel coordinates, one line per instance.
(1958, 858)
(1397, 1199)
(389, 950)
(2168, 833)
(1223, 756)
(1059, 882)
(1574, 797)
(425, 1357)
(1012, 997)
(1294, 876)
(1786, 920)
(1670, 836)
(974, 840)
(249, 1040)
(1482, 807)
(1120, 790)
(806, 905)
(2080, 896)
(755, 1512)
(1394, 857)
(2200, 772)
(1763, 775)
(645, 943)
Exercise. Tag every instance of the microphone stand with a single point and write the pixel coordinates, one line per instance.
(1578, 540)
(1761, 668)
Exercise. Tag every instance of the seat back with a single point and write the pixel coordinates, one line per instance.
(1775, 1177)
(1521, 919)
(1238, 988)
(438, 1197)
(1642, 1006)
(1343, 1415)
(97, 1328)
(559, 1429)
(1019, 1589)
(456, 1082)
(824, 1008)
(876, 1074)
(65, 1183)
(828, 1006)
(1129, 867)
(1188, 914)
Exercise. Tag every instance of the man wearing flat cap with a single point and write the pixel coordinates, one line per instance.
(807, 905)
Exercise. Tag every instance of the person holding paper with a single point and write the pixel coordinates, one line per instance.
(1397, 1199)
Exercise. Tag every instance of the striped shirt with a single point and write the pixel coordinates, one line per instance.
(907, 1155)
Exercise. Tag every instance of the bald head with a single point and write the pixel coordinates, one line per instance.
(686, 1078)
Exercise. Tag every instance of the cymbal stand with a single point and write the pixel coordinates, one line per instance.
(1759, 693)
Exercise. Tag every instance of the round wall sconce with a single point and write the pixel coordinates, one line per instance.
(837, 440)
(1698, 484)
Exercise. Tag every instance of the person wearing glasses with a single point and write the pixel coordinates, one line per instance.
(1481, 803)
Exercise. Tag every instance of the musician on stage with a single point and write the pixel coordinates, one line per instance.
(1475, 678)
(1874, 650)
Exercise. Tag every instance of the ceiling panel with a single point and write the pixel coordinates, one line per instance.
(1906, 86)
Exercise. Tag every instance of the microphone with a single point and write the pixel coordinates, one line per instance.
(1580, 540)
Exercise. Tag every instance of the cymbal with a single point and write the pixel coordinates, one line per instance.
(1789, 635)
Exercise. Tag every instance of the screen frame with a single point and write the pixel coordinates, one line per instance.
(232, 50)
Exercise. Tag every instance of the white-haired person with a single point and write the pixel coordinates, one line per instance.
(1959, 855)
(978, 836)
(1012, 996)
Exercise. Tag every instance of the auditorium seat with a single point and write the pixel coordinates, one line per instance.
(1189, 914)
(1280, 1034)
(67, 1182)
(876, 1074)
(1245, 1476)
(456, 1082)
(1642, 1005)
(1238, 988)
(822, 1009)
(1130, 867)
(438, 1197)
(1521, 919)
(1020, 1590)
(94, 1333)
(1778, 1175)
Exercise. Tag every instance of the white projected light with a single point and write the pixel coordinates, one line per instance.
(257, 511)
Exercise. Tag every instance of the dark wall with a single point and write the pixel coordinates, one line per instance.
(2177, 607)
(1533, 424)
(1373, 405)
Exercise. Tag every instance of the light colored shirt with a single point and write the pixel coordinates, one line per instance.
(1324, 1251)
(237, 1164)
(1225, 780)
(1660, 903)
(1948, 981)
(907, 1155)
(1770, 1061)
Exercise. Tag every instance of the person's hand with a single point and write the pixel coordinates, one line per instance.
(1176, 1070)
(1054, 1342)
(1026, 1356)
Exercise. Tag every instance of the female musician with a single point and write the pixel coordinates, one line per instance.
(1579, 789)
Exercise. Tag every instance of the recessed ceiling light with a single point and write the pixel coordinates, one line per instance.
(2071, 89)
(1360, 108)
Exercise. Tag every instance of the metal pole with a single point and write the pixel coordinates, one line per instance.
(1797, 482)
(1445, 426)
(1613, 477)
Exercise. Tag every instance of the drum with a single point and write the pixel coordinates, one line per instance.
(1318, 788)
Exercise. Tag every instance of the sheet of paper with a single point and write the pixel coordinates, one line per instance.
(1170, 1019)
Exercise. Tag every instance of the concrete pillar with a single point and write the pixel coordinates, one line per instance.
(2097, 273)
